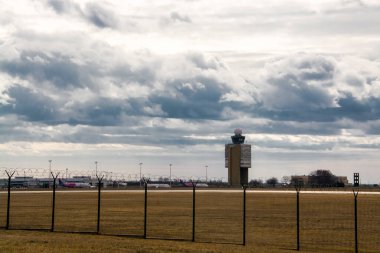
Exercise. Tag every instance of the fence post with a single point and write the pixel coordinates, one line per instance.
(356, 192)
(298, 188)
(244, 213)
(53, 205)
(145, 206)
(10, 174)
(100, 179)
(194, 186)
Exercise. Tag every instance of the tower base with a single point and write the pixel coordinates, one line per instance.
(237, 175)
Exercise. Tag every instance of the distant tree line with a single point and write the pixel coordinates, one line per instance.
(317, 178)
(324, 178)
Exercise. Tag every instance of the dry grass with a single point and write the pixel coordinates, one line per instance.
(327, 223)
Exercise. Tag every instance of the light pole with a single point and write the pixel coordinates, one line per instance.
(140, 172)
(96, 168)
(206, 172)
(50, 168)
(170, 176)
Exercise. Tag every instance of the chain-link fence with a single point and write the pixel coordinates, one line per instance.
(326, 221)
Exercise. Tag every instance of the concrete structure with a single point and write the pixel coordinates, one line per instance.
(237, 159)
(343, 180)
(300, 180)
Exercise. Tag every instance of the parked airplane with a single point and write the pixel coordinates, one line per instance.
(74, 184)
(124, 184)
(190, 184)
(159, 185)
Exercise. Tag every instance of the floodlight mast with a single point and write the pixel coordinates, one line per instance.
(140, 172)
(206, 172)
(96, 168)
(170, 175)
(50, 167)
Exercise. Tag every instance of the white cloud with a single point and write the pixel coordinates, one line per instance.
(171, 80)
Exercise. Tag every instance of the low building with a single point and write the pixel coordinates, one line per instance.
(45, 182)
(300, 180)
(20, 182)
(343, 180)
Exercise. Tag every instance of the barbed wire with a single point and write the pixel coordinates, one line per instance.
(107, 175)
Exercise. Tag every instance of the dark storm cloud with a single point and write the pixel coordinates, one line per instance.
(299, 84)
(105, 111)
(305, 89)
(101, 111)
(39, 67)
(294, 128)
(285, 144)
(34, 106)
(12, 128)
(175, 16)
(359, 110)
(125, 72)
(100, 16)
(373, 128)
(62, 6)
(355, 81)
(93, 13)
(297, 95)
(196, 98)
(348, 107)
(317, 69)
(30, 104)
(200, 61)
(156, 137)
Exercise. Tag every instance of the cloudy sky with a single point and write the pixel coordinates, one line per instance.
(160, 82)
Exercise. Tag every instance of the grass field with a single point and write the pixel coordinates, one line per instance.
(326, 222)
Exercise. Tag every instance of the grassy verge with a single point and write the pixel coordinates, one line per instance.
(327, 223)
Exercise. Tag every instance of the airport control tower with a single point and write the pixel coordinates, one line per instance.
(237, 159)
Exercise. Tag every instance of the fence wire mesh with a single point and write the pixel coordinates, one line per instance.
(30, 210)
(369, 223)
(122, 213)
(219, 217)
(3, 208)
(76, 211)
(327, 221)
(272, 219)
(169, 215)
